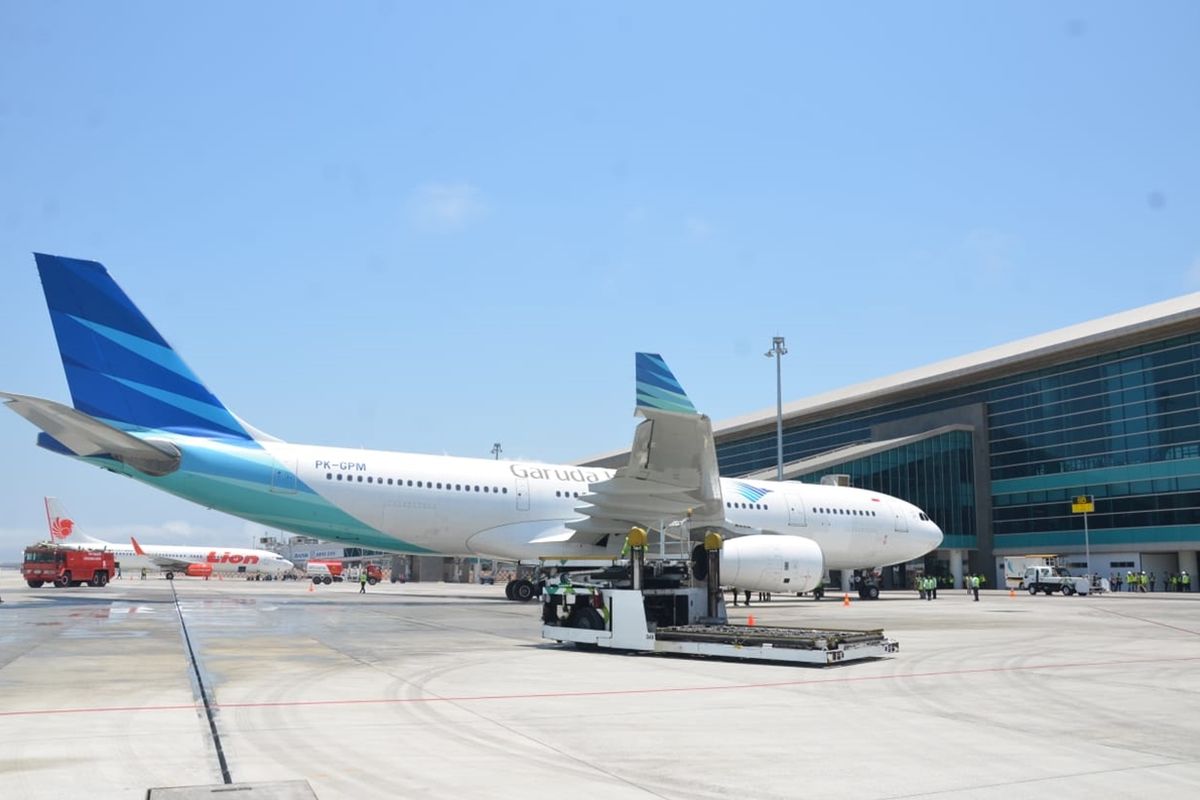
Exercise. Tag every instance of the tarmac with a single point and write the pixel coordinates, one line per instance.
(448, 691)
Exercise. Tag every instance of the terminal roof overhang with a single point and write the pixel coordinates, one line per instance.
(1173, 317)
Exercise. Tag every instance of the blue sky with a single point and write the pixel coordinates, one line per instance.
(431, 227)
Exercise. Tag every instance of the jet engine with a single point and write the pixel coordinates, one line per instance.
(772, 563)
(198, 570)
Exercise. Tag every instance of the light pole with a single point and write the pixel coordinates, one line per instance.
(778, 351)
(496, 451)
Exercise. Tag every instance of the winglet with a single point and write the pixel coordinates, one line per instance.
(137, 548)
(657, 387)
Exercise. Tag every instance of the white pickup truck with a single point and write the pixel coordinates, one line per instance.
(1049, 579)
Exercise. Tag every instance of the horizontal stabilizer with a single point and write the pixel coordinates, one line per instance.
(86, 436)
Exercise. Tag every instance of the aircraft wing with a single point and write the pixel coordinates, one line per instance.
(162, 562)
(672, 470)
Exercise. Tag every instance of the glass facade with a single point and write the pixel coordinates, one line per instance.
(1123, 426)
(935, 473)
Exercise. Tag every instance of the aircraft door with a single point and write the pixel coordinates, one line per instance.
(795, 509)
(901, 519)
(522, 494)
(283, 478)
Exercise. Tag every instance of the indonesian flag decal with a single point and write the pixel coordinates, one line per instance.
(61, 527)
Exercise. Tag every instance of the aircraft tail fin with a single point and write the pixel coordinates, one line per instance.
(137, 548)
(118, 367)
(62, 527)
(657, 387)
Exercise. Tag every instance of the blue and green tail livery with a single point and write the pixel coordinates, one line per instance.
(657, 387)
(118, 367)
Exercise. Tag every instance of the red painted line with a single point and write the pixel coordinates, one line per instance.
(606, 692)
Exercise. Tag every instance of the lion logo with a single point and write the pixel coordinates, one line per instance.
(61, 527)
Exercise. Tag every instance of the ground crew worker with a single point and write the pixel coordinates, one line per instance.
(1172, 582)
(930, 594)
(362, 581)
(975, 587)
(1153, 581)
(143, 573)
(933, 582)
(1185, 581)
(919, 582)
(1129, 581)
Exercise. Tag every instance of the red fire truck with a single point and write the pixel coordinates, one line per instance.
(65, 566)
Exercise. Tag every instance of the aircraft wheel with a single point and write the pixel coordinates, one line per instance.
(523, 591)
(508, 590)
(170, 575)
(872, 593)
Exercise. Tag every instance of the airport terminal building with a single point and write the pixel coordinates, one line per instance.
(994, 445)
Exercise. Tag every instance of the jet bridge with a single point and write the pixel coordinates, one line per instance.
(654, 605)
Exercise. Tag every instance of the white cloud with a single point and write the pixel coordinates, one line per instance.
(1192, 277)
(445, 207)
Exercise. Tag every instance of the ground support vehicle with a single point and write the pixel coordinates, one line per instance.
(1053, 579)
(328, 571)
(1015, 566)
(660, 608)
(65, 566)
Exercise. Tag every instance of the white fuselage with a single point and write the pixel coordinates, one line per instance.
(223, 560)
(518, 510)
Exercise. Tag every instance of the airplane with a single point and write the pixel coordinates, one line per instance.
(190, 560)
(140, 411)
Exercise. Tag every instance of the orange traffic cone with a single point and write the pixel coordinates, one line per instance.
(750, 621)
(846, 599)
(1012, 592)
(310, 587)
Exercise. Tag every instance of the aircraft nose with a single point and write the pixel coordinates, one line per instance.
(933, 535)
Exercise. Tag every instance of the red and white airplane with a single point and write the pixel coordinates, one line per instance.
(196, 562)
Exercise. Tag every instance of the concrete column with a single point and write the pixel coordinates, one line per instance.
(1187, 561)
(846, 573)
(956, 568)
